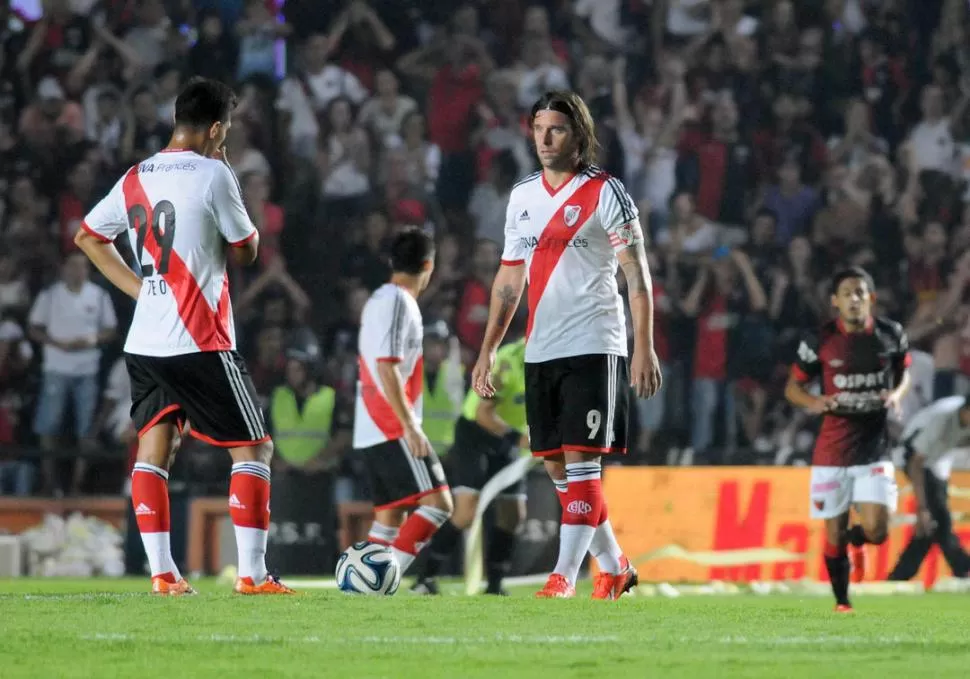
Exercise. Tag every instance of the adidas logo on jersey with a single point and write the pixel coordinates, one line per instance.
(235, 503)
(143, 510)
(524, 217)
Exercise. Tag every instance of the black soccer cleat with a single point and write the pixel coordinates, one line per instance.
(425, 587)
(496, 591)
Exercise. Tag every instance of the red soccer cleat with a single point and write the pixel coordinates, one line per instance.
(857, 561)
(271, 585)
(612, 587)
(162, 586)
(557, 587)
(844, 608)
(603, 585)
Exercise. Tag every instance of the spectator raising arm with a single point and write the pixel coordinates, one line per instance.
(276, 274)
(756, 293)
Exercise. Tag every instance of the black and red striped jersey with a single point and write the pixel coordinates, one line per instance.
(857, 368)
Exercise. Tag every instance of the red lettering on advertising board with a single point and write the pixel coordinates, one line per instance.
(792, 537)
(732, 530)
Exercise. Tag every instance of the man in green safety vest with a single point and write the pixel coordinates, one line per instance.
(444, 386)
(301, 417)
(488, 436)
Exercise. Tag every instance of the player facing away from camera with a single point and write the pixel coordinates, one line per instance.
(184, 216)
(405, 473)
(566, 227)
(488, 437)
(861, 362)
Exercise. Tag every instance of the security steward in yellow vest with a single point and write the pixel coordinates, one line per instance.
(488, 437)
(301, 416)
(444, 386)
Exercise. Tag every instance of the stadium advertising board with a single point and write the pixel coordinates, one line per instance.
(746, 524)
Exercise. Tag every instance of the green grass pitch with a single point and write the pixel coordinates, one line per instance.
(111, 628)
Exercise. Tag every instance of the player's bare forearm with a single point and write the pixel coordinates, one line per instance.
(488, 419)
(798, 396)
(506, 293)
(107, 260)
(639, 285)
(393, 385)
(245, 253)
(905, 383)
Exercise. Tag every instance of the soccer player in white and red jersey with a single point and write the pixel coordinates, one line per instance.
(184, 216)
(405, 473)
(567, 227)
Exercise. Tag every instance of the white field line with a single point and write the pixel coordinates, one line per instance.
(827, 640)
(110, 637)
(823, 639)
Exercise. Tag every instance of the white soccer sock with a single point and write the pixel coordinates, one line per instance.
(604, 546)
(576, 536)
(573, 541)
(403, 559)
(416, 533)
(381, 534)
(158, 549)
(151, 507)
(249, 508)
(251, 546)
(605, 549)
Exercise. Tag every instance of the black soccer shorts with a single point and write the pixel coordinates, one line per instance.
(579, 404)
(212, 389)
(477, 456)
(397, 478)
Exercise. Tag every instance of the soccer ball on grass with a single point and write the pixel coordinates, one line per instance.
(368, 568)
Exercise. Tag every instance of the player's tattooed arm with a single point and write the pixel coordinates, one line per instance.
(506, 293)
(633, 261)
(508, 300)
(636, 271)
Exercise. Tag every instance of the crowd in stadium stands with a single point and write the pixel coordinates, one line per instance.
(766, 142)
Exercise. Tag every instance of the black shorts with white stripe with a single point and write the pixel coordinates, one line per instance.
(579, 404)
(397, 478)
(211, 389)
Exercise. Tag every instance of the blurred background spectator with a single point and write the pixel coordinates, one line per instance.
(766, 142)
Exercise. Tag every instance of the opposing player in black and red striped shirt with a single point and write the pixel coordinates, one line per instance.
(861, 362)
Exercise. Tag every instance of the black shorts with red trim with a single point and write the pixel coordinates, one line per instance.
(579, 404)
(211, 389)
(397, 478)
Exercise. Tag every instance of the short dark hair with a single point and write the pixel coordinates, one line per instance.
(573, 107)
(203, 102)
(852, 272)
(410, 249)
